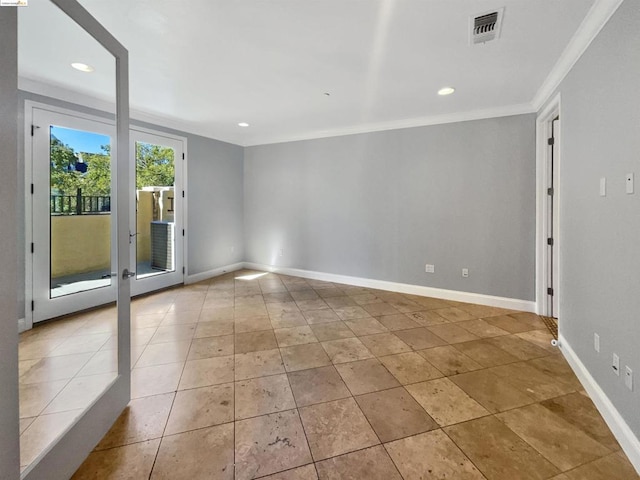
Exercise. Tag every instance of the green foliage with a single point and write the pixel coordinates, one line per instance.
(154, 166)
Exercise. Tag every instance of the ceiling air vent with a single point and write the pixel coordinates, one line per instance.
(486, 27)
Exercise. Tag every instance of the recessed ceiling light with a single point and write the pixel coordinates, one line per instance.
(83, 67)
(243, 124)
(446, 91)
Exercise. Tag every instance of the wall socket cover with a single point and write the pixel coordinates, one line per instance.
(429, 268)
(628, 378)
(596, 342)
(615, 364)
(465, 272)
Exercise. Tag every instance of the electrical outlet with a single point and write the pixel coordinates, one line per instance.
(615, 364)
(596, 342)
(429, 268)
(628, 377)
(603, 186)
(628, 181)
(465, 272)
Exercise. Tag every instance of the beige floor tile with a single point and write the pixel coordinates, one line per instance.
(449, 360)
(541, 338)
(258, 364)
(255, 341)
(517, 347)
(426, 318)
(482, 311)
(366, 376)
(25, 422)
(433, 451)
(394, 414)
(288, 337)
(214, 329)
(340, 302)
(531, 319)
(452, 333)
(351, 312)
(420, 338)
(557, 367)
(80, 344)
(346, 350)
(252, 324)
(365, 298)
(162, 353)
(277, 297)
(580, 412)
(365, 326)
(147, 321)
(80, 392)
(282, 307)
(328, 292)
(331, 331)
(302, 357)
(498, 452)
(557, 440)
(314, 317)
(372, 464)
(155, 380)
(531, 381)
(492, 392)
(379, 309)
(335, 428)
(216, 314)
(209, 347)
(454, 314)
(201, 454)
(173, 333)
(510, 324)
(270, 444)
(288, 320)
(131, 462)
(143, 419)
(311, 304)
(445, 402)
(429, 303)
(207, 371)
(384, 344)
(317, 385)
(35, 397)
(607, 468)
(305, 294)
(181, 318)
(410, 367)
(398, 321)
(405, 306)
(50, 369)
(43, 431)
(308, 472)
(260, 396)
(25, 365)
(485, 353)
(201, 407)
(481, 328)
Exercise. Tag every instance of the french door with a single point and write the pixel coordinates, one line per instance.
(156, 216)
(73, 213)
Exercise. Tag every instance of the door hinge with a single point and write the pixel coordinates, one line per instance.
(551, 141)
(31, 247)
(183, 270)
(182, 193)
(550, 192)
(33, 305)
(33, 127)
(550, 291)
(183, 156)
(550, 241)
(183, 232)
(32, 189)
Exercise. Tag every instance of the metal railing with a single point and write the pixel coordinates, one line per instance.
(79, 204)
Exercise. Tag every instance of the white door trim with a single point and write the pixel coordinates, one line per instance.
(543, 132)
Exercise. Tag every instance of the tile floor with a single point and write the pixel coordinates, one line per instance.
(255, 375)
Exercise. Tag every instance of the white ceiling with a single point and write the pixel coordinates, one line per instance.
(205, 65)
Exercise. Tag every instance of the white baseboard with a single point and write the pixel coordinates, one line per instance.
(628, 441)
(199, 277)
(481, 299)
(22, 325)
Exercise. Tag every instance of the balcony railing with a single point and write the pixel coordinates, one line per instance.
(80, 204)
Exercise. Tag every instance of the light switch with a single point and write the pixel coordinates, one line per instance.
(629, 183)
(603, 187)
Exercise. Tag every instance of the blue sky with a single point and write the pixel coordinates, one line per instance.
(79, 140)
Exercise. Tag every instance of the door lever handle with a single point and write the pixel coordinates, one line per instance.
(127, 274)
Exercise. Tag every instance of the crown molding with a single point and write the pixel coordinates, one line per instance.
(597, 17)
(504, 111)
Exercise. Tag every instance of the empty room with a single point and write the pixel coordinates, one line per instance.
(319, 239)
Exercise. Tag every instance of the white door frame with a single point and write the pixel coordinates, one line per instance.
(180, 164)
(67, 453)
(93, 297)
(543, 153)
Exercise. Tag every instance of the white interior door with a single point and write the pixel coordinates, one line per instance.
(73, 213)
(157, 213)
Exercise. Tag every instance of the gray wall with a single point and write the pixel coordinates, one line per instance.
(600, 256)
(381, 205)
(9, 449)
(214, 190)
